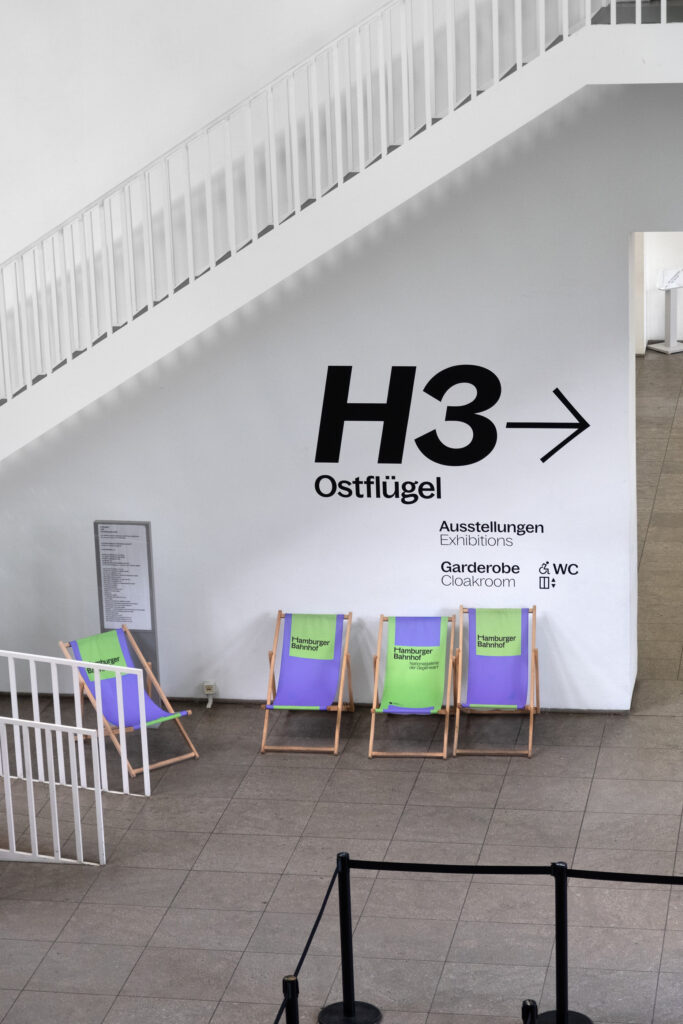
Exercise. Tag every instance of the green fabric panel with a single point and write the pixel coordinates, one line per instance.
(295, 707)
(312, 636)
(166, 718)
(503, 706)
(104, 649)
(499, 632)
(414, 677)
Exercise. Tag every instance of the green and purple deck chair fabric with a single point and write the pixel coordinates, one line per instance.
(415, 671)
(112, 648)
(310, 665)
(498, 659)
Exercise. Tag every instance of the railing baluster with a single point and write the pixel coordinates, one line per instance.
(613, 12)
(41, 287)
(359, 100)
(250, 174)
(369, 107)
(315, 112)
(473, 48)
(150, 283)
(75, 799)
(110, 264)
(349, 112)
(639, 12)
(408, 12)
(30, 796)
(208, 199)
(589, 12)
(272, 158)
(540, 17)
(56, 327)
(495, 39)
(187, 199)
(78, 711)
(7, 783)
(450, 56)
(100, 717)
(565, 18)
(54, 816)
(230, 192)
(168, 230)
(86, 269)
(428, 58)
(519, 58)
(57, 712)
(293, 143)
(143, 735)
(97, 786)
(14, 704)
(38, 336)
(128, 255)
(389, 70)
(338, 137)
(4, 341)
(35, 703)
(93, 277)
(122, 731)
(21, 325)
(663, 12)
(381, 83)
(405, 95)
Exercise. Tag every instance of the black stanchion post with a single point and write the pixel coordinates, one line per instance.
(290, 989)
(562, 1014)
(349, 1010)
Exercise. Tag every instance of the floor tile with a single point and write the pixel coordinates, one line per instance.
(402, 938)
(521, 792)
(636, 796)
(287, 783)
(487, 990)
(417, 898)
(394, 984)
(172, 973)
(534, 828)
(18, 960)
(119, 925)
(362, 787)
(146, 887)
(58, 1008)
(85, 968)
(246, 853)
(508, 903)
(140, 848)
(432, 788)
(318, 855)
(258, 978)
(615, 997)
(205, 929)
(613, 948)
(137, 1010)
(226, 890)
(603, 830)
(442, 824)
(363, 821)
(482, 942)
(266, 817)
(33, 919)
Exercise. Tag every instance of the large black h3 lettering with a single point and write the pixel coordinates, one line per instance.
(394, 413)
(337, 410)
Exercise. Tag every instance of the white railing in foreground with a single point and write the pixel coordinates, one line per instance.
(328, 119)
(16, 763)
(53, 685)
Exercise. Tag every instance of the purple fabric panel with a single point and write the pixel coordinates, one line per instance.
(417, 631)
(308, 682)
(129, 692)
(502, 680)
(393, 709)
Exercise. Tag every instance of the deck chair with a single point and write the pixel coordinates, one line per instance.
(113, 648)
(314, 666)
(502, 676)
(419, 663)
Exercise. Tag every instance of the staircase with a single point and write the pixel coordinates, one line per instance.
(365, 124)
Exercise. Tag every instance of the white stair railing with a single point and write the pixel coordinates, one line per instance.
(25, 791)
(54, 688)
(245, 174)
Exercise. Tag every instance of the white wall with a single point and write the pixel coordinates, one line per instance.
(212, 444)
(663, 251)
(92, 90)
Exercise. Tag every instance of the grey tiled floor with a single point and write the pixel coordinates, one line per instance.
(213, 884)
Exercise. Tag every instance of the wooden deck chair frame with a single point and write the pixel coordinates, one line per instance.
(152, 683)
(338, 707)
(445, 710)
(532, 708)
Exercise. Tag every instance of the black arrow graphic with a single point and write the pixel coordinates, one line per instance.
(577, 427)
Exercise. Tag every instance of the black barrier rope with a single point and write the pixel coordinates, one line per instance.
(351, 1011)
